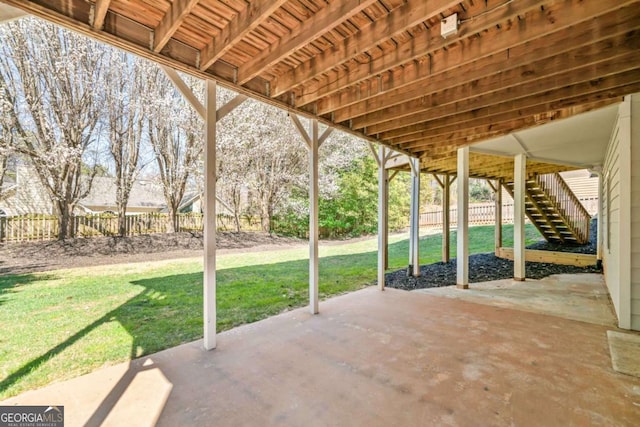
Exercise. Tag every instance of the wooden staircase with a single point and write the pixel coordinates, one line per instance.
(555, 210)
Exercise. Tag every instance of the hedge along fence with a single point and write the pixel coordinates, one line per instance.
(45, 227)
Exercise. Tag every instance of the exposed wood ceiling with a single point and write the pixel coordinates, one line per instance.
(380, 68)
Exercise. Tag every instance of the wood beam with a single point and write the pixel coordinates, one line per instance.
(444, 72)
(326, 134)
(301, 130)
(501, 81)
(503, 124)
(467, 98)
(540, 114)
(99, 13)
(407, 16)
(438, 180)
(513, 34)
(324, 20)
(242, 24)
(591, 79)
(185, 91)
(536, 115)
(171, 21)
(230, 106)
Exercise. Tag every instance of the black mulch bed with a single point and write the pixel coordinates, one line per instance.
(487, 267)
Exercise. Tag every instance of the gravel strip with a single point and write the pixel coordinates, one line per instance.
(487, 267)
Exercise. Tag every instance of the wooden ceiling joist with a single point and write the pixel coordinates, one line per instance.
(435, 105)
(443, 75)
(326, 19)
(524, 27)
(410, 14)
(380, 68)
(174, 17)
(525, 117)
(238, 28)
(99, 13)
(569, 84)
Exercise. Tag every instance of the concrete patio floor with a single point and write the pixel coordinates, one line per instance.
(582, 297)
(369, 358)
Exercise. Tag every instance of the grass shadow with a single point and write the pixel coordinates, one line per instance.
(14, 283)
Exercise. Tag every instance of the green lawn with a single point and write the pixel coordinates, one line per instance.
(64, 323)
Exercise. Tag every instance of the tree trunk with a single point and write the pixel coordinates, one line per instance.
(172, 226)
(65, 220)
(265, 218)
(236, 218)
(122, 220)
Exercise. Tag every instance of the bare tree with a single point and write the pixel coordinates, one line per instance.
(176, 134)
(49, 77)
(126, 84)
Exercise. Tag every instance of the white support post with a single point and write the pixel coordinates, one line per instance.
(383, 210)
(313, 141)
(519, 188)
(414, 223)
(600, 228)
(446, 216)
(209, 287)
(313, 218)
(498, 208)
(462, 262)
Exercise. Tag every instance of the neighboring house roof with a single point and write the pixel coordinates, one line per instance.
(189, 198)
(144, 194)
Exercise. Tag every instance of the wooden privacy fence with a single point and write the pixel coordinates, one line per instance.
(45, 227)
(484, 213)
(479, 214)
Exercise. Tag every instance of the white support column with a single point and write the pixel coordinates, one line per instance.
(313, 218)
(498, 208)
(462, 262)
(313, 141)
(209, 287)
(519, 188)
(599, 239)
(414, 223)
(446, 216)
(383, 211)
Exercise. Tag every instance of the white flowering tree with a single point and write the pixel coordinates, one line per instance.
(6, 134)
(125, 88)
(260, 148)
(48, 78)
(176, 133)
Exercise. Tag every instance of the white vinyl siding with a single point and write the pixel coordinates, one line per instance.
(617, 173)
(635, 212)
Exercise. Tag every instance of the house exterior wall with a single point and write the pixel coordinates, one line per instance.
(30, 197)
(635, 212)
(621, 214)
